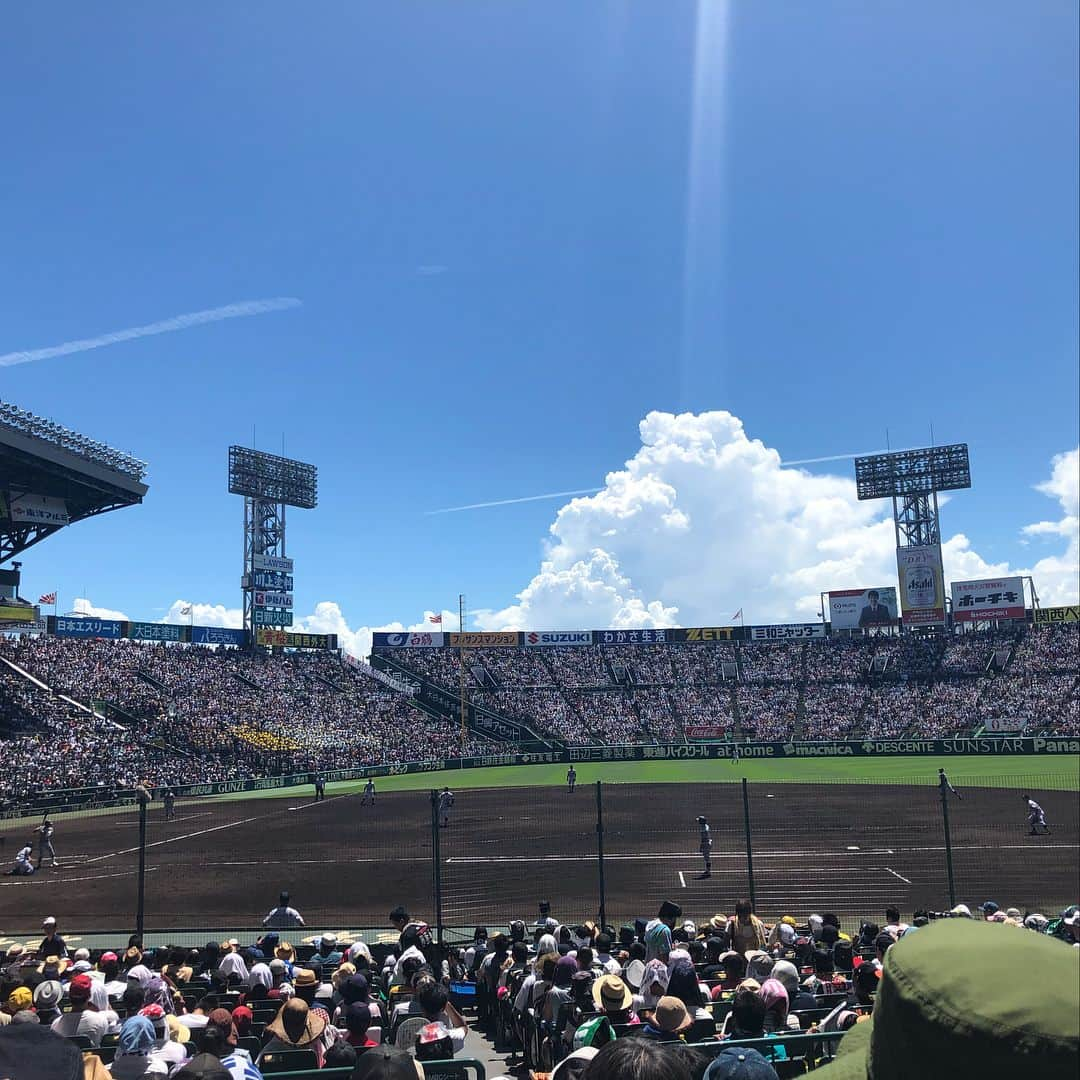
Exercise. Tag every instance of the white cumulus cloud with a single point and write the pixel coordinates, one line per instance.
(704, 520)
(82, 606)
(182, 611)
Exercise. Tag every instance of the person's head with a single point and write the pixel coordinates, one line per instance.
(872, 597)
(339, 1055)
(734, 965)
(695, 1061)
(749, 1010)
(637, 1059)
(829, 919)
(519, 952)
(882, 943)
(669, 912)
(866, 979)
(775, 996)
(49, 924)
(133, 1000)
(202, 1066)
(79, 990)
(868, 932)
(740, 1063)
(399, 919)
(892, 916)
(432, 999)
(585, 958)
(714, 946)
(787, 974)
(683, 984)
(743, 909)
(603, 943)
(358, 1019)
(283, 899)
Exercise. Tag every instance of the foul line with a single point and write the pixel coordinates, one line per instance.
(682, 880)
(173, 839)
(896, 875)
(32, 879)
(319, 802)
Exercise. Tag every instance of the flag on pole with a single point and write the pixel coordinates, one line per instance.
(435, 618)
(186, 609)
(737, 615)
(47, 598)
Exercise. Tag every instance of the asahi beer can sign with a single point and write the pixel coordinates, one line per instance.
(922, 588)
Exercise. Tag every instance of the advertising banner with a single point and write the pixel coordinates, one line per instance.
(474, 640)
(272, 580)
(542, 638)
(705, 731)
(37, 509)
(406, 640)
(631, 637)
(154, 631)
(788, 632)
(853, 609)
(271, 617)
(1049, 615)
(274, 599)
(922, 585)
(707, 633)
(273, 562)
(1000, 598)
(288, 640)
(217, 635)
(86, 627)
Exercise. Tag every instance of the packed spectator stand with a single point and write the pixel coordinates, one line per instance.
(170, 713)
(664, 997)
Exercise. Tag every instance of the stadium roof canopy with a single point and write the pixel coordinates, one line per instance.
(51, 476)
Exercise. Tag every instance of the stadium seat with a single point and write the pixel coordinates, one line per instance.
(81, 1041)
(282, 1061)
(405, 1036)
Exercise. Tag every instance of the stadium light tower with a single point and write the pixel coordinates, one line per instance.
(912, 479)
(268, 483)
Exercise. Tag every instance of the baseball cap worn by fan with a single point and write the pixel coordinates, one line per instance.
(951, 1005)
(387, 1063)
(740, 1063)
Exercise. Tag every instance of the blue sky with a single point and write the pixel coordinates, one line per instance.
(515, 231)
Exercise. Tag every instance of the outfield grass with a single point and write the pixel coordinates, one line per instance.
(1040, 773)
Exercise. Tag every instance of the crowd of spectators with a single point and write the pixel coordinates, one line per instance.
(665, 998)
(237, 714)
(880, 686)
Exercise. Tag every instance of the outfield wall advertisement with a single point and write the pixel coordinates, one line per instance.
(992, 598)
(1046, 747)
(1047, 616)
(855, 609)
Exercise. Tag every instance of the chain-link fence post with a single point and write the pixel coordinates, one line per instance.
(140, 905)
(436, 867)
(600, 851)
(944, 788)
(749, 843)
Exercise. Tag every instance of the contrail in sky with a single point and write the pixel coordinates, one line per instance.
(239, 310)
(593, 491)
(510, 502)
(838, 457)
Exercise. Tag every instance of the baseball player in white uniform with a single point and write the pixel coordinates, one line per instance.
(1036, 816)
(446, 801)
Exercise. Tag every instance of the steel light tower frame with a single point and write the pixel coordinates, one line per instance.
(912, 479)
(268, 484)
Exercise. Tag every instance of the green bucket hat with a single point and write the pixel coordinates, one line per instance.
(962, 998)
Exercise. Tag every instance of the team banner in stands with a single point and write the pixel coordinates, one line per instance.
(217, 635)
(922, 585)
(85, 627)
(707, 633)
(154, 631)
(1003, 724)
(631, 637)
(288, 639)
(787, 632)
(380, 639)
(475, 640)
(542, 638)
(852, 609)
(1048, 615)
(993, 598)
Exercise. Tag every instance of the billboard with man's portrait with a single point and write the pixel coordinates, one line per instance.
(853, 609)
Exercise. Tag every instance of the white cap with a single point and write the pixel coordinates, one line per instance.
(962, 910)
(49, 921)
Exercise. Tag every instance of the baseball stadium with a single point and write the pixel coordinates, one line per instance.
(540, 541)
